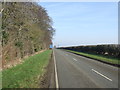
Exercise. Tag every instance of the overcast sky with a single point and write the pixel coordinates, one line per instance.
(83, 23)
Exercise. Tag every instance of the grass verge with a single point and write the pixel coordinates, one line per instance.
(26, 75)
(98, 57)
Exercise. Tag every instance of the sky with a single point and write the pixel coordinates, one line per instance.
(83, 23)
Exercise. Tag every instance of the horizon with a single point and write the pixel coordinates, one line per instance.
(86, 45)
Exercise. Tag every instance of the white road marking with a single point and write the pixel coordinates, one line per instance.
(102, 75)
(56, 76)
(66, 54)
(1, 10)
(74, 59)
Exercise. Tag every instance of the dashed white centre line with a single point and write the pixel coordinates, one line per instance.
(102, 75)
(74, 59)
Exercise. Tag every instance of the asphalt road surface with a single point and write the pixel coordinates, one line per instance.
(76, 71)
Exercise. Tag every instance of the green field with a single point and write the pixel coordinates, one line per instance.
(26, 75)
(99, 57)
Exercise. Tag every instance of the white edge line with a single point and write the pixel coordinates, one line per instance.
(74, 59)
(56, 76)
(102, 75)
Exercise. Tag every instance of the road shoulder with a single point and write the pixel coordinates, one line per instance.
(48, 79)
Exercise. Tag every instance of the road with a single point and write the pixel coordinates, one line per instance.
(74, 71)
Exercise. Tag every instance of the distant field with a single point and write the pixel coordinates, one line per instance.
(26, 75)
(99, 57)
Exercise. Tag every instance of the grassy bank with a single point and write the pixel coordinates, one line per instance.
(99, 57)
(26, 75)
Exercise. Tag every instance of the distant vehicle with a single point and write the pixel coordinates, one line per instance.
(54, 46)
(51, 46)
